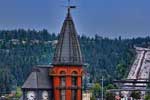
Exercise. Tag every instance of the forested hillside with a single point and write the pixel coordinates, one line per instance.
(20, 50)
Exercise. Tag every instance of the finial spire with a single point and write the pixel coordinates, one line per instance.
(68, 50)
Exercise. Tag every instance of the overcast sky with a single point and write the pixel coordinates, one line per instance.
(109, 18)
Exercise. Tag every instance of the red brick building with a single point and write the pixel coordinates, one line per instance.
(62, 80)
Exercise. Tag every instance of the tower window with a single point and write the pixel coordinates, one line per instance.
(63, 79)
(74, 83)
(74, 79)
(63, 95)
(74, 95)
(63, 84)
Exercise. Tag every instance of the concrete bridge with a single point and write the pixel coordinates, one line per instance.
(139, 74)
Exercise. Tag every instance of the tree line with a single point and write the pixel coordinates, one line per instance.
(21, 50)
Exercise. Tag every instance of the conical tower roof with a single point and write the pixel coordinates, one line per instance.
(68, 49)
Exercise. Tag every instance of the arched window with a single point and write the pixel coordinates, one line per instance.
(74, 84)
(63, 84)
(74, 78)
(63, 79)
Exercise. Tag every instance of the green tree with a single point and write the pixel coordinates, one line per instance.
(110, 96)
(110, 86)
(135, 95)
(96, 90)
(147, 97)
(121, 69)
(18, 92)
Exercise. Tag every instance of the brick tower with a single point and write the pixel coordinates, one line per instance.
(67, 63)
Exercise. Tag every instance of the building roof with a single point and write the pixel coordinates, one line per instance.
(38, 79)
(68, 49)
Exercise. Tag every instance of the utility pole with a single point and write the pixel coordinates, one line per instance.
(102, 95)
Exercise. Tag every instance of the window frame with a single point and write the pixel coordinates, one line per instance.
(62, 84)
(74, 78)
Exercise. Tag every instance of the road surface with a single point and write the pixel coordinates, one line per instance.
(140, 68)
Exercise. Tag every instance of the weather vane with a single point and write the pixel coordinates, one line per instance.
(70, 6)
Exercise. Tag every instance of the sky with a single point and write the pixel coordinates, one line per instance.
(108, 18)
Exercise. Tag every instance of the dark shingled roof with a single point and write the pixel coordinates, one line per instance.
(68, 49)
(38, 79)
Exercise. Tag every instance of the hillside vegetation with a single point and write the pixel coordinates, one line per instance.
(21, 50)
